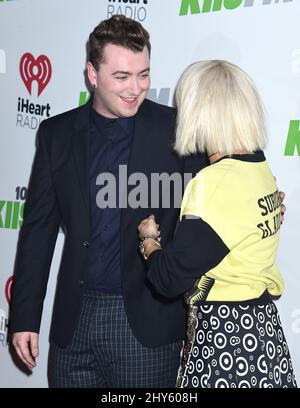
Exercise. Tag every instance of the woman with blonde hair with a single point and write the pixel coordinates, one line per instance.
(223, 254)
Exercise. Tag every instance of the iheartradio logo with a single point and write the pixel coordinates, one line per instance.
(38, 70)
(8, 288)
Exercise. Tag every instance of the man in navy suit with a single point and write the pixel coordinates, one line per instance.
(109, 329)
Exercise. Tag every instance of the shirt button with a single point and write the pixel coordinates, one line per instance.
(86, 244)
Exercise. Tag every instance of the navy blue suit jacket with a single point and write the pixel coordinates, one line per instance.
(58, 195)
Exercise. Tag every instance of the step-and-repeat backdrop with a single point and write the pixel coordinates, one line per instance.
(42, 73)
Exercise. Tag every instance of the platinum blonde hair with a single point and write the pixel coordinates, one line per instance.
(219, 110)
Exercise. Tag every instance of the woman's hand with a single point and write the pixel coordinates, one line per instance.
(282, 207)
(148, 226)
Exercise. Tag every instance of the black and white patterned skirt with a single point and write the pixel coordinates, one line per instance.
(235, 346)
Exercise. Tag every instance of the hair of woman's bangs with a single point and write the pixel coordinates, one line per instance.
(219, 110)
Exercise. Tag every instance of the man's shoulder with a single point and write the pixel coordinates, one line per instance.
(62, 118)
(158, 108)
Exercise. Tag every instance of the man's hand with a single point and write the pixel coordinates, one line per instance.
(26, 345)
(282, 207)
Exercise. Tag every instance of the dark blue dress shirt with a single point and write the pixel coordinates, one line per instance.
(109, 147)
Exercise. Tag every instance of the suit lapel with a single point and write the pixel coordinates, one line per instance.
(80, 142)
(137, 160)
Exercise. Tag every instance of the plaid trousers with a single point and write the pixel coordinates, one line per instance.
(104, 353)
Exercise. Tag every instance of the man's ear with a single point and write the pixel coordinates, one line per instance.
(92, 74)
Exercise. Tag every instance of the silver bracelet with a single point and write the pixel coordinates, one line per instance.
(142, 247)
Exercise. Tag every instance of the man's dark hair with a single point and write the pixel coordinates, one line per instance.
(117, 30)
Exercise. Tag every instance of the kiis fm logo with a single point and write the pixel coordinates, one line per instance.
(162, 96)
(136, 10)
(38, 70)
(2, 62)
(293, 139)
(12, 212)
(193, 6)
